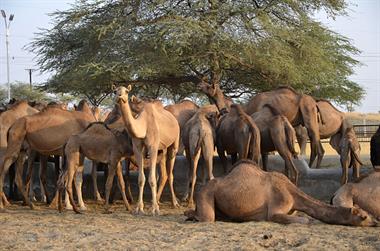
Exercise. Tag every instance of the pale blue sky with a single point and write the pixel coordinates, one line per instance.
(362, 26)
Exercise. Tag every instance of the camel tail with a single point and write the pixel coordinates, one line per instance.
(320, 117)
(61, 186)
(355, 155)
(290, 136)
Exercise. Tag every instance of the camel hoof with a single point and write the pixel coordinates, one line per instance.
(175, 204)
(185, 198)
(33, 199)
(83, 208)
(155, 212)
(107, 211)
(190, 205)
(67, 207)
(44, 200)
(32, 206)
(53, 205)
(138, 211)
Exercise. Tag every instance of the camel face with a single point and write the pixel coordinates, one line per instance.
(122, 93)
(361, 218)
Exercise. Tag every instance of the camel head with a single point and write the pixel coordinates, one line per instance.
(359, 217)
(122, 92)
(136, 104)
(208, 89)
(213, 118)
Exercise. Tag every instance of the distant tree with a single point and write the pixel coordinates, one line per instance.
(162, 46)
(22, 91)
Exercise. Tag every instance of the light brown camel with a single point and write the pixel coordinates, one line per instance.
(237, 135)
(297, 108)
(250, 194)
(183, 111)
(153, 129)
(97, 143)
(365, 194)
(198, 137)
(276, 133)
(45, 132)
(15, 111)
(335, 124)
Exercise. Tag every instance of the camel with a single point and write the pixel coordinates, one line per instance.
(349, 151)
(276, 132)
(97, 143)
(16, 110)
(297, 108)
(45, 132)
(249, 194)
(335, 124)
(198, 137)
(183, 111)
(365, 194)
(237, 134)
(153, 129)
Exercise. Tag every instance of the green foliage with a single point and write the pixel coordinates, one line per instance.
(166, 46)
(22, 91)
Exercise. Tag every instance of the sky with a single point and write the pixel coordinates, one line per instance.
(362, 26)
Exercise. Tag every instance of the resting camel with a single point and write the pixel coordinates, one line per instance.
(153, 129)
(365, 194)
(276, 133)
(198, 137)
(183, 111)
(237, 134)
(45, 132)
(97, 143)
(15, 111)
(250, 194)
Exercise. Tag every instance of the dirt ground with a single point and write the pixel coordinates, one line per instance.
(46, 229)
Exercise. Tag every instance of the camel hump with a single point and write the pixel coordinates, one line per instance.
(287, 87)
(272, 109)
(101, 123)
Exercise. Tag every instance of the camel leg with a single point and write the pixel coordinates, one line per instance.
(187, 188)
(119, 172)
(19, 171)
(109, 182)
(288, 219)
(172, 152)
(11, 182)
(138, 152)
(95, 181)
(194, 166)
(208, 155)
(264, 159)
(29, 174)
(153, 180)
(163, 176)
(42, 177)
(321, 153)
(344, 178)
(223, 159)
(78, 186)
(58, 169)
(345, 160)
(69, 193)
(128, 180)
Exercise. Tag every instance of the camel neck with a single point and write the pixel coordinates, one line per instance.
(320, 210)
(135, 127)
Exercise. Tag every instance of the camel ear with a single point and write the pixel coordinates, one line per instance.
(129, 88)
(133, 99)
(113, 87)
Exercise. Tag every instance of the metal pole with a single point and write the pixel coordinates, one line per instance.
(7, 46)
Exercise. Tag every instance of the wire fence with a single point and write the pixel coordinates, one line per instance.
(365, 132)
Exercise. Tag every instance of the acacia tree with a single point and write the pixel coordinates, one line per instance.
(162, 46)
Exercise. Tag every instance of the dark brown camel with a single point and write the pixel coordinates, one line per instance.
(250, 194)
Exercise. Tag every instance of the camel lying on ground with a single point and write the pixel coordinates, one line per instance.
(183, 111)
(237, 135)
(198, 137)
(97, 143)
(365, 194)
(248, 193)
(45, 132)
(153, 129)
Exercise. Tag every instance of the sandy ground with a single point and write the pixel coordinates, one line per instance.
(46, 229)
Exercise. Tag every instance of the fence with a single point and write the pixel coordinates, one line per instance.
(365, 132)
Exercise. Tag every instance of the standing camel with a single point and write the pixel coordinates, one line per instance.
(198, 137)
(45, 132)
(277, 134)
(15, 111)
(250, 194)
(183, 111)
(153, 129)
(101, 144)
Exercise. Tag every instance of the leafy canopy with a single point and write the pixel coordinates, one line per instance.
(166, 46)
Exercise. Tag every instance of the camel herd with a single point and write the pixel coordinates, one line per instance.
(146, 133)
